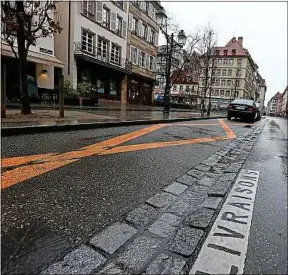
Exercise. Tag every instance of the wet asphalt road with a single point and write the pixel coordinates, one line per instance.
(267, 249)
(69, 205)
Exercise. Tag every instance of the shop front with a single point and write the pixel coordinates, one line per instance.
(106, 81)
(41, 70)
(140, 90)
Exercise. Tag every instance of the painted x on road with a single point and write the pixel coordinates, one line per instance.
(27, 167)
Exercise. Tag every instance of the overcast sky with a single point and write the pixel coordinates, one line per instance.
(263, 26)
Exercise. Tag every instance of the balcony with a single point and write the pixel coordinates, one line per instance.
(109, 60)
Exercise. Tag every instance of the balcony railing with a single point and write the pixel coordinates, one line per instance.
(106, 59)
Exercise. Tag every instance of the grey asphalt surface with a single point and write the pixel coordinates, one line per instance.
(69, 205)
(267, 249)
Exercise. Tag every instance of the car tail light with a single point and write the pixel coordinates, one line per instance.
(251, 109)
(229, 106)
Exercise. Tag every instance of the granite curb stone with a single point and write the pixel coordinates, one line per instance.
(113, 237)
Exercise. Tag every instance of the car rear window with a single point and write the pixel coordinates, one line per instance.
(243, 101)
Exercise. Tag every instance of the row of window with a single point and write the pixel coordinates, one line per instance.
(105, 49)
(226, 72)
(228, 62)
(100, 13)
(144, 60)
(225, 52)
(146, 7)
(225, 82)
(226, 93)
(142, 30)
(191, 88)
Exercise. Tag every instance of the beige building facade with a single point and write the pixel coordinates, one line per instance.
(142, 43)
(93, 45)
(234, 74)
(43, 69)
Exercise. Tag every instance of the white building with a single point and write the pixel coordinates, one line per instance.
(93, 44)
(42, 67)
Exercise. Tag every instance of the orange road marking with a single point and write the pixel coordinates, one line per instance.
(51, 161)
(195, 124)
(21, 160)
(227, 129)
(20, 174)
(154, 145)
(103, 145)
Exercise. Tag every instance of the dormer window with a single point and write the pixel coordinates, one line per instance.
(234, 52)
(225, 52)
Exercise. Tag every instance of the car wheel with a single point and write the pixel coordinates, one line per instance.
(228, 117)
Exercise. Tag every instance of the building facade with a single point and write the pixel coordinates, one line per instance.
(93, 45)
(274, 105)
(284, 105)
(262, 88)
(184, 88)
(177, 60)
(142, 43)
(43, 70)
(234, 74)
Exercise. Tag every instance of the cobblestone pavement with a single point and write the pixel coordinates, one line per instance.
(165, 234)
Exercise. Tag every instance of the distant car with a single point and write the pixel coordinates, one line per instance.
(243, 108)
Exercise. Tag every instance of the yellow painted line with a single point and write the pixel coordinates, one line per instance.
(14, 161)
(195, 124)
(154, 145)
(103, 145)
(227, 129)
(20, 174)
(49, 163)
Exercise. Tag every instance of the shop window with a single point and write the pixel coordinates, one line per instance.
(113, 87)
(115, 54)
(88, 39)
(100, 87)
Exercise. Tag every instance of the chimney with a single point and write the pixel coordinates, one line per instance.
(240, 40)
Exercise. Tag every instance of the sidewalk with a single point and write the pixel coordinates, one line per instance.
(105, 105)
(41, 117)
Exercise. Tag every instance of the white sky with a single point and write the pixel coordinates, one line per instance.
(263, 26)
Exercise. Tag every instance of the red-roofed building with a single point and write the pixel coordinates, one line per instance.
(235, 74)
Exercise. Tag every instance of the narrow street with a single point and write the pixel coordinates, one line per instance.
(59, 190)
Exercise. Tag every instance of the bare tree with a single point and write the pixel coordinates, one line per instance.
(23, 24)
(207, 49)
(236, 82)
(172, 49)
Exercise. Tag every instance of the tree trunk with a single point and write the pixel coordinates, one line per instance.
(22, 55)
(23, 84)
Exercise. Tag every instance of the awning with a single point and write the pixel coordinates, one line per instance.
(35, 57)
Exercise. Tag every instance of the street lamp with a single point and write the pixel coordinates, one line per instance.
(161, 19)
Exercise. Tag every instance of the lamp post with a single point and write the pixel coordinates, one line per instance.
(161, 19)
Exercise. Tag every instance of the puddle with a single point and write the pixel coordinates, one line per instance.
(30, 250)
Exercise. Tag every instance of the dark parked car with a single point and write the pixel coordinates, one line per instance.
(243, 108)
